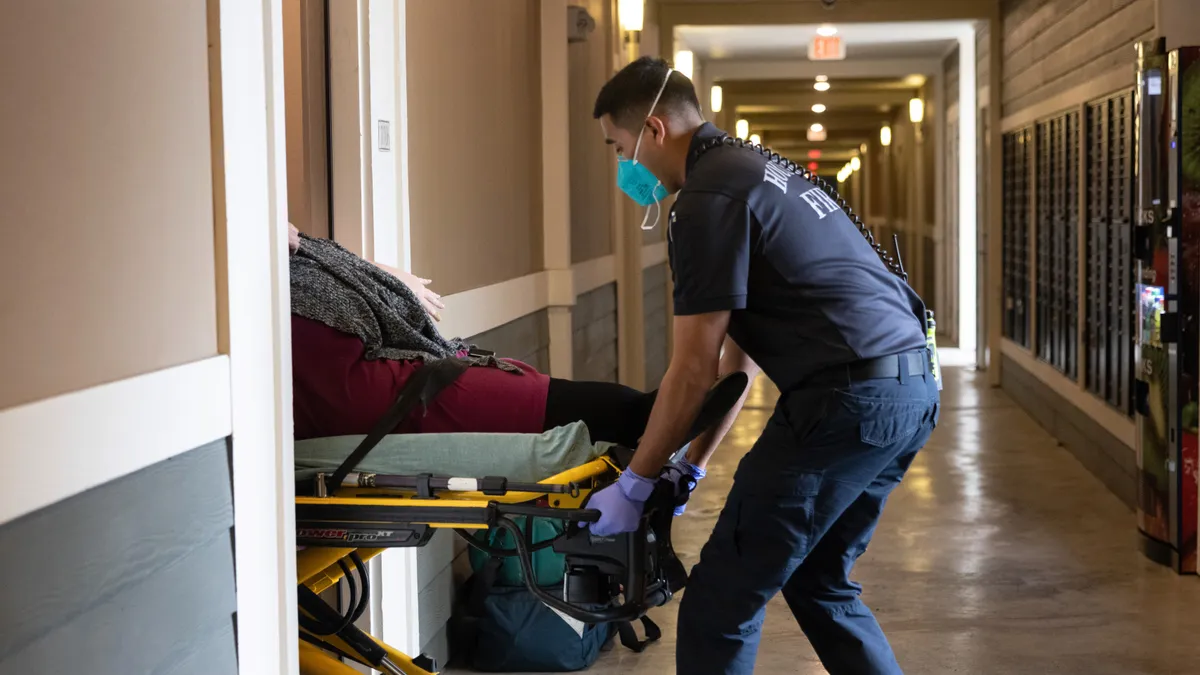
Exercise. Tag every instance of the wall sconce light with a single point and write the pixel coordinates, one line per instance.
(916, 110)
(863, 148)
(632, 14)
(756, 139)
(684, 60)
(742, 128)
(715, 98)
(819, 108)
(885, 136)
(855, 164)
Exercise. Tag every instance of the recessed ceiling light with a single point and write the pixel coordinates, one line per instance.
(817, 128)
(822, 78)
(821, 86)
(819, 108)
(915, 80)
(828, 30)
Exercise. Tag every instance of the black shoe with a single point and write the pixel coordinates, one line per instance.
(719, 401)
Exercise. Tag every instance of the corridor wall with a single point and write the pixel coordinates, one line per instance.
(1067, 81)
(105, 142)
(594, 317)
(143, 392)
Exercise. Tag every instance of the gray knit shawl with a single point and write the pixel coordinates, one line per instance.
(341, 290)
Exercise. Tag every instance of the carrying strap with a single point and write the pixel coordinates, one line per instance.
(422, 386)
(629, 636)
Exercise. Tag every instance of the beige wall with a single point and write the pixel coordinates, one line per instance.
(474, 102)
(107, 263)
(293, 93)
(591, 160)
(1051, 46)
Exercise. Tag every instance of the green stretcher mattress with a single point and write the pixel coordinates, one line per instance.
(518, 457)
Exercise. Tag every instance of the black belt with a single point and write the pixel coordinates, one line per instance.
(916, 364)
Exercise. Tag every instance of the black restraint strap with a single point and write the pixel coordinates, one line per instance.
(630, 639)
(422, 386)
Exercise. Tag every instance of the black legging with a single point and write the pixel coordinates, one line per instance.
(613, 412)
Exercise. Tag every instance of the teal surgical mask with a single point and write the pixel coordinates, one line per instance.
(638, 182)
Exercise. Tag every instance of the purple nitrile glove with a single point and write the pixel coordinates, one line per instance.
(683, 476)
(620, 504)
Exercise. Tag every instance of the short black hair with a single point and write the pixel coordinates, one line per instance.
(628, 95)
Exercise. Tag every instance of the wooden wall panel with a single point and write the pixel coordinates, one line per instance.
(1051, 47)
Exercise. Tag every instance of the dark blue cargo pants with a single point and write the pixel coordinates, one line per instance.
(804, 504)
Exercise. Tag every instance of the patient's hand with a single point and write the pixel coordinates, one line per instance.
(432, 302)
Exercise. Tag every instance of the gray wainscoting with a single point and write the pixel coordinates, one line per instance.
(594, 324)
(526, 339)
(134, 576)
(1106, 456)
(654, 304)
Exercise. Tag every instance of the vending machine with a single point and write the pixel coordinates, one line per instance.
(1167, 333)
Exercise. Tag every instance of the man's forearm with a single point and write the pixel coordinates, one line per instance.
(677, 405)
(702, 449)
(732, 361)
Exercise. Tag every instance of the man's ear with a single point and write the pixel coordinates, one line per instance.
(657, 130)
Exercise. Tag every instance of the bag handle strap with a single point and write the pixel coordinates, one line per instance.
(629, 636)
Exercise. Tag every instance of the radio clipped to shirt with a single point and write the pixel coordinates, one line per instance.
(931, 344)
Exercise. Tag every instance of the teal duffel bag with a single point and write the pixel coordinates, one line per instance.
(502, 629)
(549, 567)
(515, 632)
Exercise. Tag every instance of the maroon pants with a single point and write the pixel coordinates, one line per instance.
(335, 391)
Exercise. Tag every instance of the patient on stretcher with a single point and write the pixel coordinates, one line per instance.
(360, 331)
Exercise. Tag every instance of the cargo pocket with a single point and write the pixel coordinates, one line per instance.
(885, 422)
(775, 523)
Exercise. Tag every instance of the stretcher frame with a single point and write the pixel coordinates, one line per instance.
(362, 518)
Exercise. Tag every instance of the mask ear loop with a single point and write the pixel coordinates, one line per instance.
(657, 213)
(638, 145)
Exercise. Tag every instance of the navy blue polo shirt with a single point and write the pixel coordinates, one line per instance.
(805, 289)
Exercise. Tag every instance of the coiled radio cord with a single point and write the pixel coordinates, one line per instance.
(894, 265)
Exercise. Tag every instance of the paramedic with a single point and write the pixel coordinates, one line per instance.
(769, 265)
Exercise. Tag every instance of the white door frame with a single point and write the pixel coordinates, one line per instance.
(250, 214)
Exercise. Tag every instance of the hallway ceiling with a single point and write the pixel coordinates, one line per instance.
(874, 40)
(859, 100)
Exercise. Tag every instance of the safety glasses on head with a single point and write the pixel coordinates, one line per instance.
(634, 179)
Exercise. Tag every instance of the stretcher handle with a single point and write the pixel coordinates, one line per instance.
(569, 515)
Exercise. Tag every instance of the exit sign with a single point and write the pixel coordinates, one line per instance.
(826, 49)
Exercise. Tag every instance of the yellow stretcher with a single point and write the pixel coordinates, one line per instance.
(342, 527)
